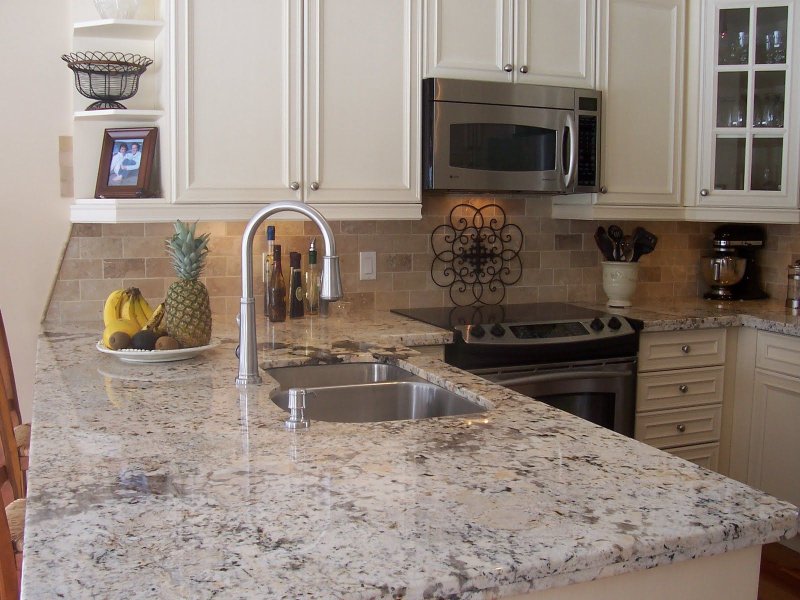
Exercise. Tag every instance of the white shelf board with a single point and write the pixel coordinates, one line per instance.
(131, 114)
(132, 29)
(160, 210)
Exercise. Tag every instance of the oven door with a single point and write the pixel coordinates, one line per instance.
(488, 147)
(603, 392)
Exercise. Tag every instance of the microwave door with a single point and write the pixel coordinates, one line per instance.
(483, 147)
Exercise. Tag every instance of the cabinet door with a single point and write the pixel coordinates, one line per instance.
(554, 42)
(469, 41)
(362, 101)
(238, 101)
(749, 149)
(774, 459)
(640, 72)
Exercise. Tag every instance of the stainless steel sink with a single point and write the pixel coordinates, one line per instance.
(366, 393)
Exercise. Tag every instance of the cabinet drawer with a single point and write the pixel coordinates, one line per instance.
(778, 353)
(663, 350)
(703, 455)
(682, 388)
(681, 427)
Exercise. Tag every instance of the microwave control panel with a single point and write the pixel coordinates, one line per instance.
(587, 151)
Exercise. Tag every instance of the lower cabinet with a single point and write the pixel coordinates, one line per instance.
(680, 409)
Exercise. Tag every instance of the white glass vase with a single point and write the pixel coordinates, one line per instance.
(117, 9)
(619, 282)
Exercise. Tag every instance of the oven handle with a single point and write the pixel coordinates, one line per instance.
(560, 376)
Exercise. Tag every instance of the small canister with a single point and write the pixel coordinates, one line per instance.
(793, 287)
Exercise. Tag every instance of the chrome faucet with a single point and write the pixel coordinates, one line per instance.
(331, 281)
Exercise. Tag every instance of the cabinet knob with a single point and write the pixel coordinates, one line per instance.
(603, 189)
(683, 388)
(704, 192)
(686, 348)
(294, 185)
(314, 185)
(523, 69)
(508, 68)
(681, 427)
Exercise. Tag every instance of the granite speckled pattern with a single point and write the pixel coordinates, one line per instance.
(696, 313)
(166, 481)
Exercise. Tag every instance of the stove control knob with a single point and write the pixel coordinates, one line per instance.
(597, 324)
(477, 331)
(497, 330)
(614, 323)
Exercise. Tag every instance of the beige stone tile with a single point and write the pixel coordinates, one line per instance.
(143, 247)
(528, 225)
(568, 276)
(553, 293)
(158, 267)
(394, 299)
(123, 268)
(382, 283)
(123, 229)
(224, 286)
(554, 259)
(411, 243)
(66, 290)
(154, 290)
(554, 226)
(87, 230)
(423, 299)
(587, 227)
(393, 227)
(593, 275)
(427, 224)
(521, 295)
(225, 245)
(361, 301)
(286, 228)
(395, 262)
(531, 260)
(438, 204)
(409, 281)
(652, 274)
(374, 243)
(421, 262)
(539, 206)
(570, 241)
(539, 241)
(83, 311)
(584, 258)
(219, 306)
(101, 247)
(359, 227)
(236, 229)
(98, 289)
(537, 277)
(581, 293)
(81, 268)
(159, 230)
(214, 228)
(310, 229)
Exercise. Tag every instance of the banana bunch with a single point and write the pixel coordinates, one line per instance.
(129, 305)
(156, 323)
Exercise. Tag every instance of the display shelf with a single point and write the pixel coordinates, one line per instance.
(132, 29)
(131, 114)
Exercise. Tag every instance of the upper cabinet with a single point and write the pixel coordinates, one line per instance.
(749, 108)
(524, 41)
(292, 99)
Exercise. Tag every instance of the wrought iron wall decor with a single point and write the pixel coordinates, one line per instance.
(476, 254)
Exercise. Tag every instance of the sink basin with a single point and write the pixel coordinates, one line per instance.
(367, 393)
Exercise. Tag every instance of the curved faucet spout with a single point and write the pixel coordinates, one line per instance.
(331, 281)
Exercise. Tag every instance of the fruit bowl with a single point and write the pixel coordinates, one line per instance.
(131, 355)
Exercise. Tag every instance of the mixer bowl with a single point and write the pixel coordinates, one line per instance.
(722, 270)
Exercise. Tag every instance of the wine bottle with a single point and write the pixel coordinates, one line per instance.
(295, 286)
(267, 259)
(312, 281)
(277, 289)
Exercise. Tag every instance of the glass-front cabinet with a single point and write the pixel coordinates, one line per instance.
(749, 102)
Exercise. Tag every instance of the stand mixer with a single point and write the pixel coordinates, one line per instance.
(732, 271)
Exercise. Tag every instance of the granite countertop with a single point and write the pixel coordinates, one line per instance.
(165, 480)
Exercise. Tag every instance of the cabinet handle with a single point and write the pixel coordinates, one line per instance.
(704, 192)
(294, 186)
(686, 348)
(681, 427)
(314, 186)
(523, 69)
(603, 189)
(508, 68)
(683, 388)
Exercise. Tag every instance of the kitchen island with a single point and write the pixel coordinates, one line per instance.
(166, 481)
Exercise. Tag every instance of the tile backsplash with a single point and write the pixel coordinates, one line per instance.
(559, 258)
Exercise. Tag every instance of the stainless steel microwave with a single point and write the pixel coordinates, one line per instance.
(490, 137)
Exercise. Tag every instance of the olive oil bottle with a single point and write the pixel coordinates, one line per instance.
(277, 289)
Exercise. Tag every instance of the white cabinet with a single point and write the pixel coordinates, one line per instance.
(680, 393)
(525, 41)
(308, 100)
(748, 109)
(640, 70)
(766, 443)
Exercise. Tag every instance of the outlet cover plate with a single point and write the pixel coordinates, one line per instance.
(367, 266)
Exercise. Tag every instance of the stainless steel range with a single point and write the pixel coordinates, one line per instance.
(576, 359)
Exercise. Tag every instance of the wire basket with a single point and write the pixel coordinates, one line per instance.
(106, 76)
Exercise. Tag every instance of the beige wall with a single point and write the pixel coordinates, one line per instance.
(560, 259)
(34, 221)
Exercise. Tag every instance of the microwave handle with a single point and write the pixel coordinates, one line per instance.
(569, 125)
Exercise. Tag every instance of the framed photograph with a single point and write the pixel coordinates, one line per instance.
(126, 163)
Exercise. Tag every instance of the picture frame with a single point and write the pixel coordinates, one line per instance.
(127, 163)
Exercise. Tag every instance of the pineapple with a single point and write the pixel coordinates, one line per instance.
(188, 313)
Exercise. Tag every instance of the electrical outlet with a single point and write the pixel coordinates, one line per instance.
(368, 267)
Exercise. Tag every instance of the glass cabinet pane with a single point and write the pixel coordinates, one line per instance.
(729, 165)
(732, 99)
(771, 40)
(767, 161)
(734, 28)
(768, 98)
